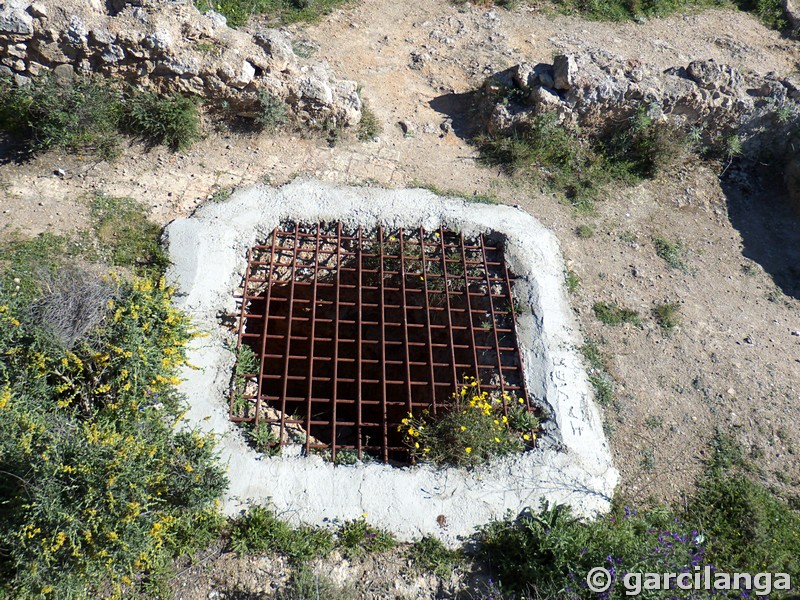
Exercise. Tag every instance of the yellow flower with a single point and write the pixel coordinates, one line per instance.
(526, 437)
(497, 439)
(5, 396)
(463, 428)
(468, 450)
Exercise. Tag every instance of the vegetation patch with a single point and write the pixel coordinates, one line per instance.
(92, 115)
(599, 377)
(272, 112)
(577, 166)
(125, 236)
(238, 12)
(102, 484)
(431, 555)
(667, 315)
(770, 12)
(671, 252)
(357, 537)
(260, 530)
(733, 524)
(473, 430)
(611, 314)
(369, 126)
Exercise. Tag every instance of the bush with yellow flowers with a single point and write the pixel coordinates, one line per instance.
(100, 484)
(477, 426)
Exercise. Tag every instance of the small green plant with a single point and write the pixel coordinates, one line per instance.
(599, 378)
(263, 438)
(431, 555)
(654, 422)
(573, 281)
(369, 126)
(671, 252)
(272, 112)
(260, 530)
(546, 149)
(584, 231)
(666, 315)
(357, 537)
(221, 195)
(474, 429)
(611, 314)
(168, 120)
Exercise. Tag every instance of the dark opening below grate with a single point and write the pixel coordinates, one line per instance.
(365, 326)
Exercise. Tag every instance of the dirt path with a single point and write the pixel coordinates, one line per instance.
(734, 361)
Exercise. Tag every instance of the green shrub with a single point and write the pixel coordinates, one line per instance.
(259, 530)
(357, 537)
(277, 11)
(168, 120)
(611, 314)
(42, 115)
(749, 527)
(272, 112)
(584, 231)
(100, 489)
(667, 315)
(473, 430)
(430, 554)
(91, 114)
(573, 281)
(369, 126)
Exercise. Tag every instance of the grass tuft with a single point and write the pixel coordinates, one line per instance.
(671, 252)
(666, 315)
(611, 314)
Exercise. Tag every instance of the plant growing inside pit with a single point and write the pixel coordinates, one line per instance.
(477, 427)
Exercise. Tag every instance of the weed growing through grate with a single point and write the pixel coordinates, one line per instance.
(357, 538)
(473, 431)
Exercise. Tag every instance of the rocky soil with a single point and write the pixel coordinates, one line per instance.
(733, 363)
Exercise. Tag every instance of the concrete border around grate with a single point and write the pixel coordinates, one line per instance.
(573, 465)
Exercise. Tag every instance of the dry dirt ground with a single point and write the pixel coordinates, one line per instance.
(734, 361)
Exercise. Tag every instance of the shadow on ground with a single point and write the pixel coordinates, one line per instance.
(770, 229)
(461, 110)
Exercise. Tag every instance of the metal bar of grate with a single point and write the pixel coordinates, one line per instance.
(354, 329)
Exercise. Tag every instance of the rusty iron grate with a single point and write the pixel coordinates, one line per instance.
(354, 329)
